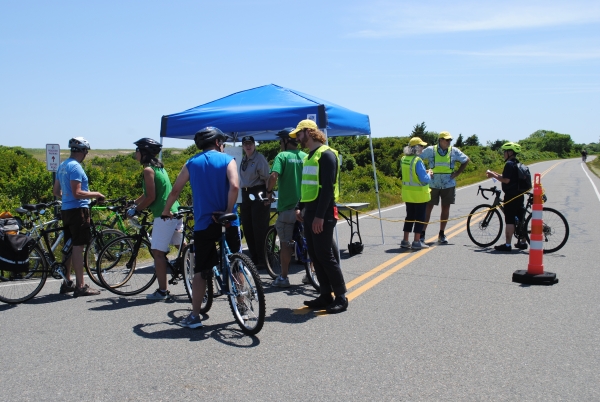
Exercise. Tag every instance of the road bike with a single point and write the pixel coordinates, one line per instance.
(236, 277)
(126, 266)
(485, 224)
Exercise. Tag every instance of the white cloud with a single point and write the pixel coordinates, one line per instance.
(386, 19)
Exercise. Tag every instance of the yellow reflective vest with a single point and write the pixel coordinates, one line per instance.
(441, 164)
(412, 189)
(310, 176)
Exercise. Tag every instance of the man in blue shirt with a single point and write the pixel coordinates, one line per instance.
(214, 181)
(71, 185)
(441, 159)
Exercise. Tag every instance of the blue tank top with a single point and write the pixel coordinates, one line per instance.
(210, 187)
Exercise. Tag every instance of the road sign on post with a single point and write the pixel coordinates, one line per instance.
(52, 157)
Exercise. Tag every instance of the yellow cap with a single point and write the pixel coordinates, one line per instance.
(302, 125)
(416, 141)
(445, 135)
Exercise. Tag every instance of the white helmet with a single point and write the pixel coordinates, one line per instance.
(79, 144)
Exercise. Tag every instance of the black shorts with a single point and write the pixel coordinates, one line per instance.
(205, 245)
(513, 209)
(77, 225)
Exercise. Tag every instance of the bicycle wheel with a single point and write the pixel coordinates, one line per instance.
(272, 253)
(309, 266)
(125, 267)
(555, 230)
(246, 295)
(189, 262)
(93, 249)
(484, 229)
(17, 287)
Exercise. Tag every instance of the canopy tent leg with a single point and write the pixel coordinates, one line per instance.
(376, 188)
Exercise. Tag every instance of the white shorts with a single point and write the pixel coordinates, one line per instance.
(165, 232)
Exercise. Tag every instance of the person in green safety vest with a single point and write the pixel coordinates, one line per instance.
(415, 192)
(319, 192)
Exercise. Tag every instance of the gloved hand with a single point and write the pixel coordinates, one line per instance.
(131, 212)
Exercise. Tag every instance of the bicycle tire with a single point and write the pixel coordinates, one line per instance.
(246, 294)
(126, 268)
(93, 249)
(484, 232)
(272, 260)
(18, 287)
(189, 262)
(555, 230)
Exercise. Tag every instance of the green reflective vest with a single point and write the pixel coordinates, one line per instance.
(310, 176)
(412, 189)
(441, 164)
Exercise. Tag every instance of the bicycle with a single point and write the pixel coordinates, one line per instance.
(114, 220)
(126, 266)
(272, 248)
(237, 278)
(486, 231)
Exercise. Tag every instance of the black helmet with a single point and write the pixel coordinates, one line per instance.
(148, 145)
(207, 136)
(285, 136)
(79, 144)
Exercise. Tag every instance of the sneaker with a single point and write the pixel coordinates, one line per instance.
(339, 304)
(281, 282)
(521, 246)
(503, 247)
(305, 280)
(191, 322)
(442, 239)
(418, 245)
(243, 310)
(405, 244)
(86, 290)
(159, 295)
(319, 303)
(67, 287)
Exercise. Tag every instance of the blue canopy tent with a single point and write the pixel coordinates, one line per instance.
(264, 111)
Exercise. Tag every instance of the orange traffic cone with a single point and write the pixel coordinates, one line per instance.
(535, 274)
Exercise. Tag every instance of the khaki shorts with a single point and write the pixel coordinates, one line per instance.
(77, 225)
(448, 196)
(285, 225)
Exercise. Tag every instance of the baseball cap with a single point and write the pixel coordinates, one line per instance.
(302, 125)
(248, 138)
(445, 135)
(416, 141)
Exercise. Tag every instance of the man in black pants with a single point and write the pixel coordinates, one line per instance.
(319, 192)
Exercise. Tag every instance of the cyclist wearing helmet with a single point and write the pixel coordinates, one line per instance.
(156, 186)
(71, 185)
(287, 174)
(510, 186)
(213, 178)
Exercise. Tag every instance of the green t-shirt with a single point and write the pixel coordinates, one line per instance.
(288, 164)
(162, 187)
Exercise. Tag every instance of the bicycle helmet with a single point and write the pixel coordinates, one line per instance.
(512, 146)
(285, 136)
(148, 145)
(207, 136)
(79, 144)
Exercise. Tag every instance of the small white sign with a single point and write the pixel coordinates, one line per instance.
(52, 157)
(312, 117)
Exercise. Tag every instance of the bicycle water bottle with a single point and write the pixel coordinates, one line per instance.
(67, 246)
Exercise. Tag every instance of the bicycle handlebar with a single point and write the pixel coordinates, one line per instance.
(491, 189)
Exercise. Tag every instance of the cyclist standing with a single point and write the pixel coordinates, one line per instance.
(513, 207)
(319, 192)
(441, 158)
(213, 178)
(287, 173)
(71, 185)
(156, 186)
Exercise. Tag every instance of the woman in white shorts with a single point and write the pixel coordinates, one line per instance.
(157, 186)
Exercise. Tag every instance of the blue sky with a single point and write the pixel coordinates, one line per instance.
(109, 70)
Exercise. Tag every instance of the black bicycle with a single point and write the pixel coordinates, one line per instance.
(485, 224)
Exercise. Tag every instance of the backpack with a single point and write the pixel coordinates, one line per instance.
(14, 247)
(525, 183)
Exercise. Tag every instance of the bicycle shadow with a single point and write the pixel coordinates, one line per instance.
(121, 302)
(291, 316)
(50, 298)
(221, 332)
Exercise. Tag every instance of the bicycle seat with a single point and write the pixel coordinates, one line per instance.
(33, 207)
(222, 219)
(21, 210)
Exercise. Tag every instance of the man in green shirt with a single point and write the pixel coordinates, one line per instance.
(287, 173)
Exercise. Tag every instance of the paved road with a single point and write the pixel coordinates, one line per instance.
(441, 324)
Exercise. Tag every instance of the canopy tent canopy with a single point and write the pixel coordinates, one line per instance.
(262, 112)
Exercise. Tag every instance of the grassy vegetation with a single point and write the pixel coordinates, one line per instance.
(595, 166)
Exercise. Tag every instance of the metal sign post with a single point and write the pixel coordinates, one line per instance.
(52, 160)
